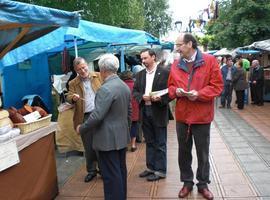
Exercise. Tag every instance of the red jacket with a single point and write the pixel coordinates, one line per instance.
(206, 79)
(134, 103)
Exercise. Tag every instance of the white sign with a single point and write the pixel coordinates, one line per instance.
(8, 155)
(34, 116)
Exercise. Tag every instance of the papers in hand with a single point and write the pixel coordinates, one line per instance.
(159, 93)
(184, 92)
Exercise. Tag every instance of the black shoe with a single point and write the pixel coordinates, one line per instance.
(145, 173)
(89, 177)
(133, 149)
(154, 177)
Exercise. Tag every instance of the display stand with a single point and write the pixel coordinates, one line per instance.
(35, 176)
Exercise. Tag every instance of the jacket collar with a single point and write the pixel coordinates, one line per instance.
(199, 61)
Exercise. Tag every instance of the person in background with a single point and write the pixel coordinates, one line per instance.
(127, 77)
(257, 81)
(195, 80)
(82, 92)
(109, 125)
(227, 73)
(154, 114)
(240, 84)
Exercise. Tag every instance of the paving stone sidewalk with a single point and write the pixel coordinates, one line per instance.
(239, 159)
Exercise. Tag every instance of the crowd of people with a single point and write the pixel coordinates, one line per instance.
(239, 76)
(110, 109)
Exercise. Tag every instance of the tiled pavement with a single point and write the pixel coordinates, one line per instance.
(239, 158)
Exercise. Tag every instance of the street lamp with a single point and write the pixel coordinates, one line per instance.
(178, 25)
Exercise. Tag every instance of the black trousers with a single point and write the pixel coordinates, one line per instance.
(252, 92)
(258, 94)
(240, 96)
(200, 133)
(90, 154)
(114, 174)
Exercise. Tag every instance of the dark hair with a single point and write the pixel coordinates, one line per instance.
(189, 37)
(228, 57)
(150, 51)
(238, 57)
(126, 75)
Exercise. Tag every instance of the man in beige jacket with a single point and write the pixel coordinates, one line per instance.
(82, 91)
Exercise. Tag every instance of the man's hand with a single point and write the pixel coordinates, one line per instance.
(75, 97)
(155, 98)
(78, 129)
(146, 98)
(193, 96)
(179, 92)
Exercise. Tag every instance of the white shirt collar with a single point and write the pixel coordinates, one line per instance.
(153, 70)
(192, 59)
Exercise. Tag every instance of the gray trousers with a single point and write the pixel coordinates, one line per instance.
(90, 153)
(200, 133)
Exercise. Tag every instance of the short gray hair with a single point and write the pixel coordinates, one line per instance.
(78, 61)
(108, 62)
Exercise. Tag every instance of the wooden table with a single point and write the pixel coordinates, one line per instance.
(35, 176)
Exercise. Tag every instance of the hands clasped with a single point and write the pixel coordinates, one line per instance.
(192, 95)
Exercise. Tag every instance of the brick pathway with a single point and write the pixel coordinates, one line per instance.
(239, 158)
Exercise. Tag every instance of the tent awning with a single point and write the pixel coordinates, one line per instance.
(97, 34)
(21, 23)
(260, 45)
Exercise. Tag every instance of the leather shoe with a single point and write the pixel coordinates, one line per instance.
(154, 177)
(184, 192)
(89, 177)
(133, 149)
(206, 193)
(145, 173)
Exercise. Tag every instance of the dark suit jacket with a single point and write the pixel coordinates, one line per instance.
(109, 121)
(239, 80)
(159, 109)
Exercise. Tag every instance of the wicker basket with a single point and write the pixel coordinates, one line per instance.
(32, 126)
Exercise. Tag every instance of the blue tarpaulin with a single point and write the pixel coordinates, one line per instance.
(249, 51)
(21, 23)
(87, 31)
(20, 80)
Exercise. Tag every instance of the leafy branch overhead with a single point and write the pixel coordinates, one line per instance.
(149, 15)
(240, 23)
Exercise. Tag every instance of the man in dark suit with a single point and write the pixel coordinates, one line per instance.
(109, 124)
(154, 114)
(257, 81)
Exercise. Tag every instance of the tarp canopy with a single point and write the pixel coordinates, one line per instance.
(21, 23)
(87, 31)
(261, 45)
(242, 51)
(223, 52)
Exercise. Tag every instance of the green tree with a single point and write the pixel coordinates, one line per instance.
(240, 23)
(157, 19)
(149, 15)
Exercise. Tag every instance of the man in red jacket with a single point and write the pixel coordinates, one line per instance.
(195, 80)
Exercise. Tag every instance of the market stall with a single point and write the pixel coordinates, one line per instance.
(34, 177)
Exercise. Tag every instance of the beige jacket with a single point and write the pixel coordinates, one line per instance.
(76, 87)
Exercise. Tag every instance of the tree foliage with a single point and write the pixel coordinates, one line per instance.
(157, 19)
(240, 23)
(148, 15)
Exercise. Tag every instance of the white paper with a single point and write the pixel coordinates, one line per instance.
(8, 155)
(159, 93)
(184, 92)
(34, 116)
